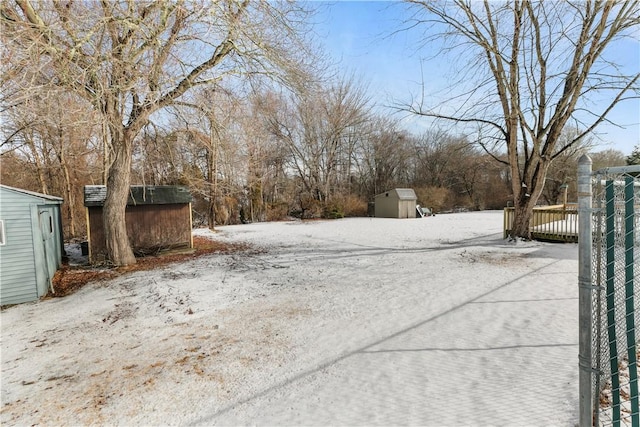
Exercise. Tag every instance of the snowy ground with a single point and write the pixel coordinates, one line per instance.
(363, 321)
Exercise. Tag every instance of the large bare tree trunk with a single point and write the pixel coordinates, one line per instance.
(522, 220)
(527, 191)
(115, 226)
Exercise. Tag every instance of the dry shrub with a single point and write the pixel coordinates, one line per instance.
(277, 211)
(438, 199)
(345, 206)
(497, 195)
(463, 201)
(227, 210)
(309, 207)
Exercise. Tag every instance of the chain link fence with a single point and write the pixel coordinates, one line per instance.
(609, 295)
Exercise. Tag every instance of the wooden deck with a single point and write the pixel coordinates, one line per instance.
(557, 223)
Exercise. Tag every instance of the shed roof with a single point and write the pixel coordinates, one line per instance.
(95, 195)
(47, 197)
(402, 193)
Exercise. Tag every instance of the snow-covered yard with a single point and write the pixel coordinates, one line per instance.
(360, 321)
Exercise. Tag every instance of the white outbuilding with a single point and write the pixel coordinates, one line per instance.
(396, 203)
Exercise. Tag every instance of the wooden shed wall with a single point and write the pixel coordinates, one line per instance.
(150, 227)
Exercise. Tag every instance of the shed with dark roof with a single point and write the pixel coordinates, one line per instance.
(396, 203)
(158, 217)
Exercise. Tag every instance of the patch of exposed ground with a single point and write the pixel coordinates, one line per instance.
(487, 257)
(70, 279)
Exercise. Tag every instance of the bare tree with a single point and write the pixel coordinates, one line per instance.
(563, 171)
(607, 158)
(437, 156)
(381, 157)
(131, 59)
(57, 142)
(316, 124)
(534, 67)
(457, 170)
(205, 125)
(266, 160)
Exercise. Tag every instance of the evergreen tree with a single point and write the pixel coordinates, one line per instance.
(634, 157)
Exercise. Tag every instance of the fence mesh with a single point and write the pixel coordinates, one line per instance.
(616, 301)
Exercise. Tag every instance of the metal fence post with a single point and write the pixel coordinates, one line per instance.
(584, 290)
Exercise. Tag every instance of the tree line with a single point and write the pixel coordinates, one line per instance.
(235, 100)
(268, 156)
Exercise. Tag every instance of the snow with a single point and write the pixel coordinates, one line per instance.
(358, 321)
(74, 255)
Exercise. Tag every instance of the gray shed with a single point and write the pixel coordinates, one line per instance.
(31, 244)
(396, 203)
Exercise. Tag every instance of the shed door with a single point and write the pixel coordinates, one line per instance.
(411, 209)
(49, 242)
(404, 206)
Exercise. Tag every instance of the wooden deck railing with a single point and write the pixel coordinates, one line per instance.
(557, 223)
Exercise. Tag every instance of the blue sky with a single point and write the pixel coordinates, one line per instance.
(359, 36)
